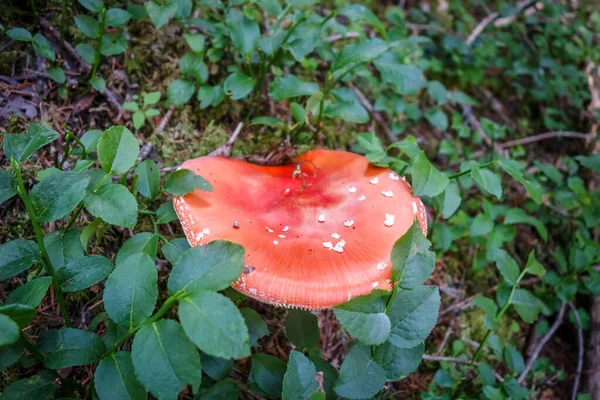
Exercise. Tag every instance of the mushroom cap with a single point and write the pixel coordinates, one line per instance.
(316, 233)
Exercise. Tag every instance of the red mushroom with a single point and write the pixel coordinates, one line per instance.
(316, 233)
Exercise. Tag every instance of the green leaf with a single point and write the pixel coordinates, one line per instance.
(114, 204)
(11, 354)
(98, 84)
(488, 180)
(438, 92)
(139, 119)
(117, 17)
(299, 379)
(215, 367)
(9, 331)
(63, 247)
(330, 375)
(191, 65)
(131, 290)
(21, 147)
(223, 390)
(195, 41)
(113, 44)
(238, 85)
(359, 13)
(527, 305)
(437, 118)
(267, 373)
(290, 86)
(533, 266)
(89, 26)
(30, 294)
(90, 139)
(413, 315)
(514, 359)
(244, 32)
(85, 272)
(591, 162)
(297, 111)
(70, 347)
(508, 267)
(54, 198)
(452, 200)
(114, 378)
(37, 387)
(210, 96)
(364, 317)
(180, 91)
(412, 262)
(427, 180)
(160, 14)
(174, 249)
(223, 334)
(8, 186)
(92, 5)
(302, 329)
(151, 98)
(42, 46)
(490, 308)
(347, 108)
(405, 79)
(166, 213)
(360, 377)
(482, 225)
(184, 181)
(257, 327)
(360, 52)
(16, 256)
(269, 121)
(148, 183)
(118, 150)
(212, 266)
(19, 313)
(87, 52)
(398, 363)
(57, 74)
(20, 34)
(519, 216)
(164, 360)
(144, 242)
(514, 169)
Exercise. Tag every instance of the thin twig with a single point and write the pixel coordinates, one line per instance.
(68, 46)
(163, 123)
(367, 104)
(456, 360)
(580, 346)
(481, 27)
(545, 136)
(474, 123)
(225, 150)
(542, 343)
(336, 37)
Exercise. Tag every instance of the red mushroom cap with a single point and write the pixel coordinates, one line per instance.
(316, 233)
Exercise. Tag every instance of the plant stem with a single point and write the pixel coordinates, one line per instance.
(459, 174)
(40, 242)
(161, 311)
(99, 49)
(498, 316)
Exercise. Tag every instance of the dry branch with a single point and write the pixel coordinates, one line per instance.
(225, 150)
(579, 352)
(376, 116)
(538, 349)
(545, 136)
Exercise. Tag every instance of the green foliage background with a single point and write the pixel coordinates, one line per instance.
(490, 111)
